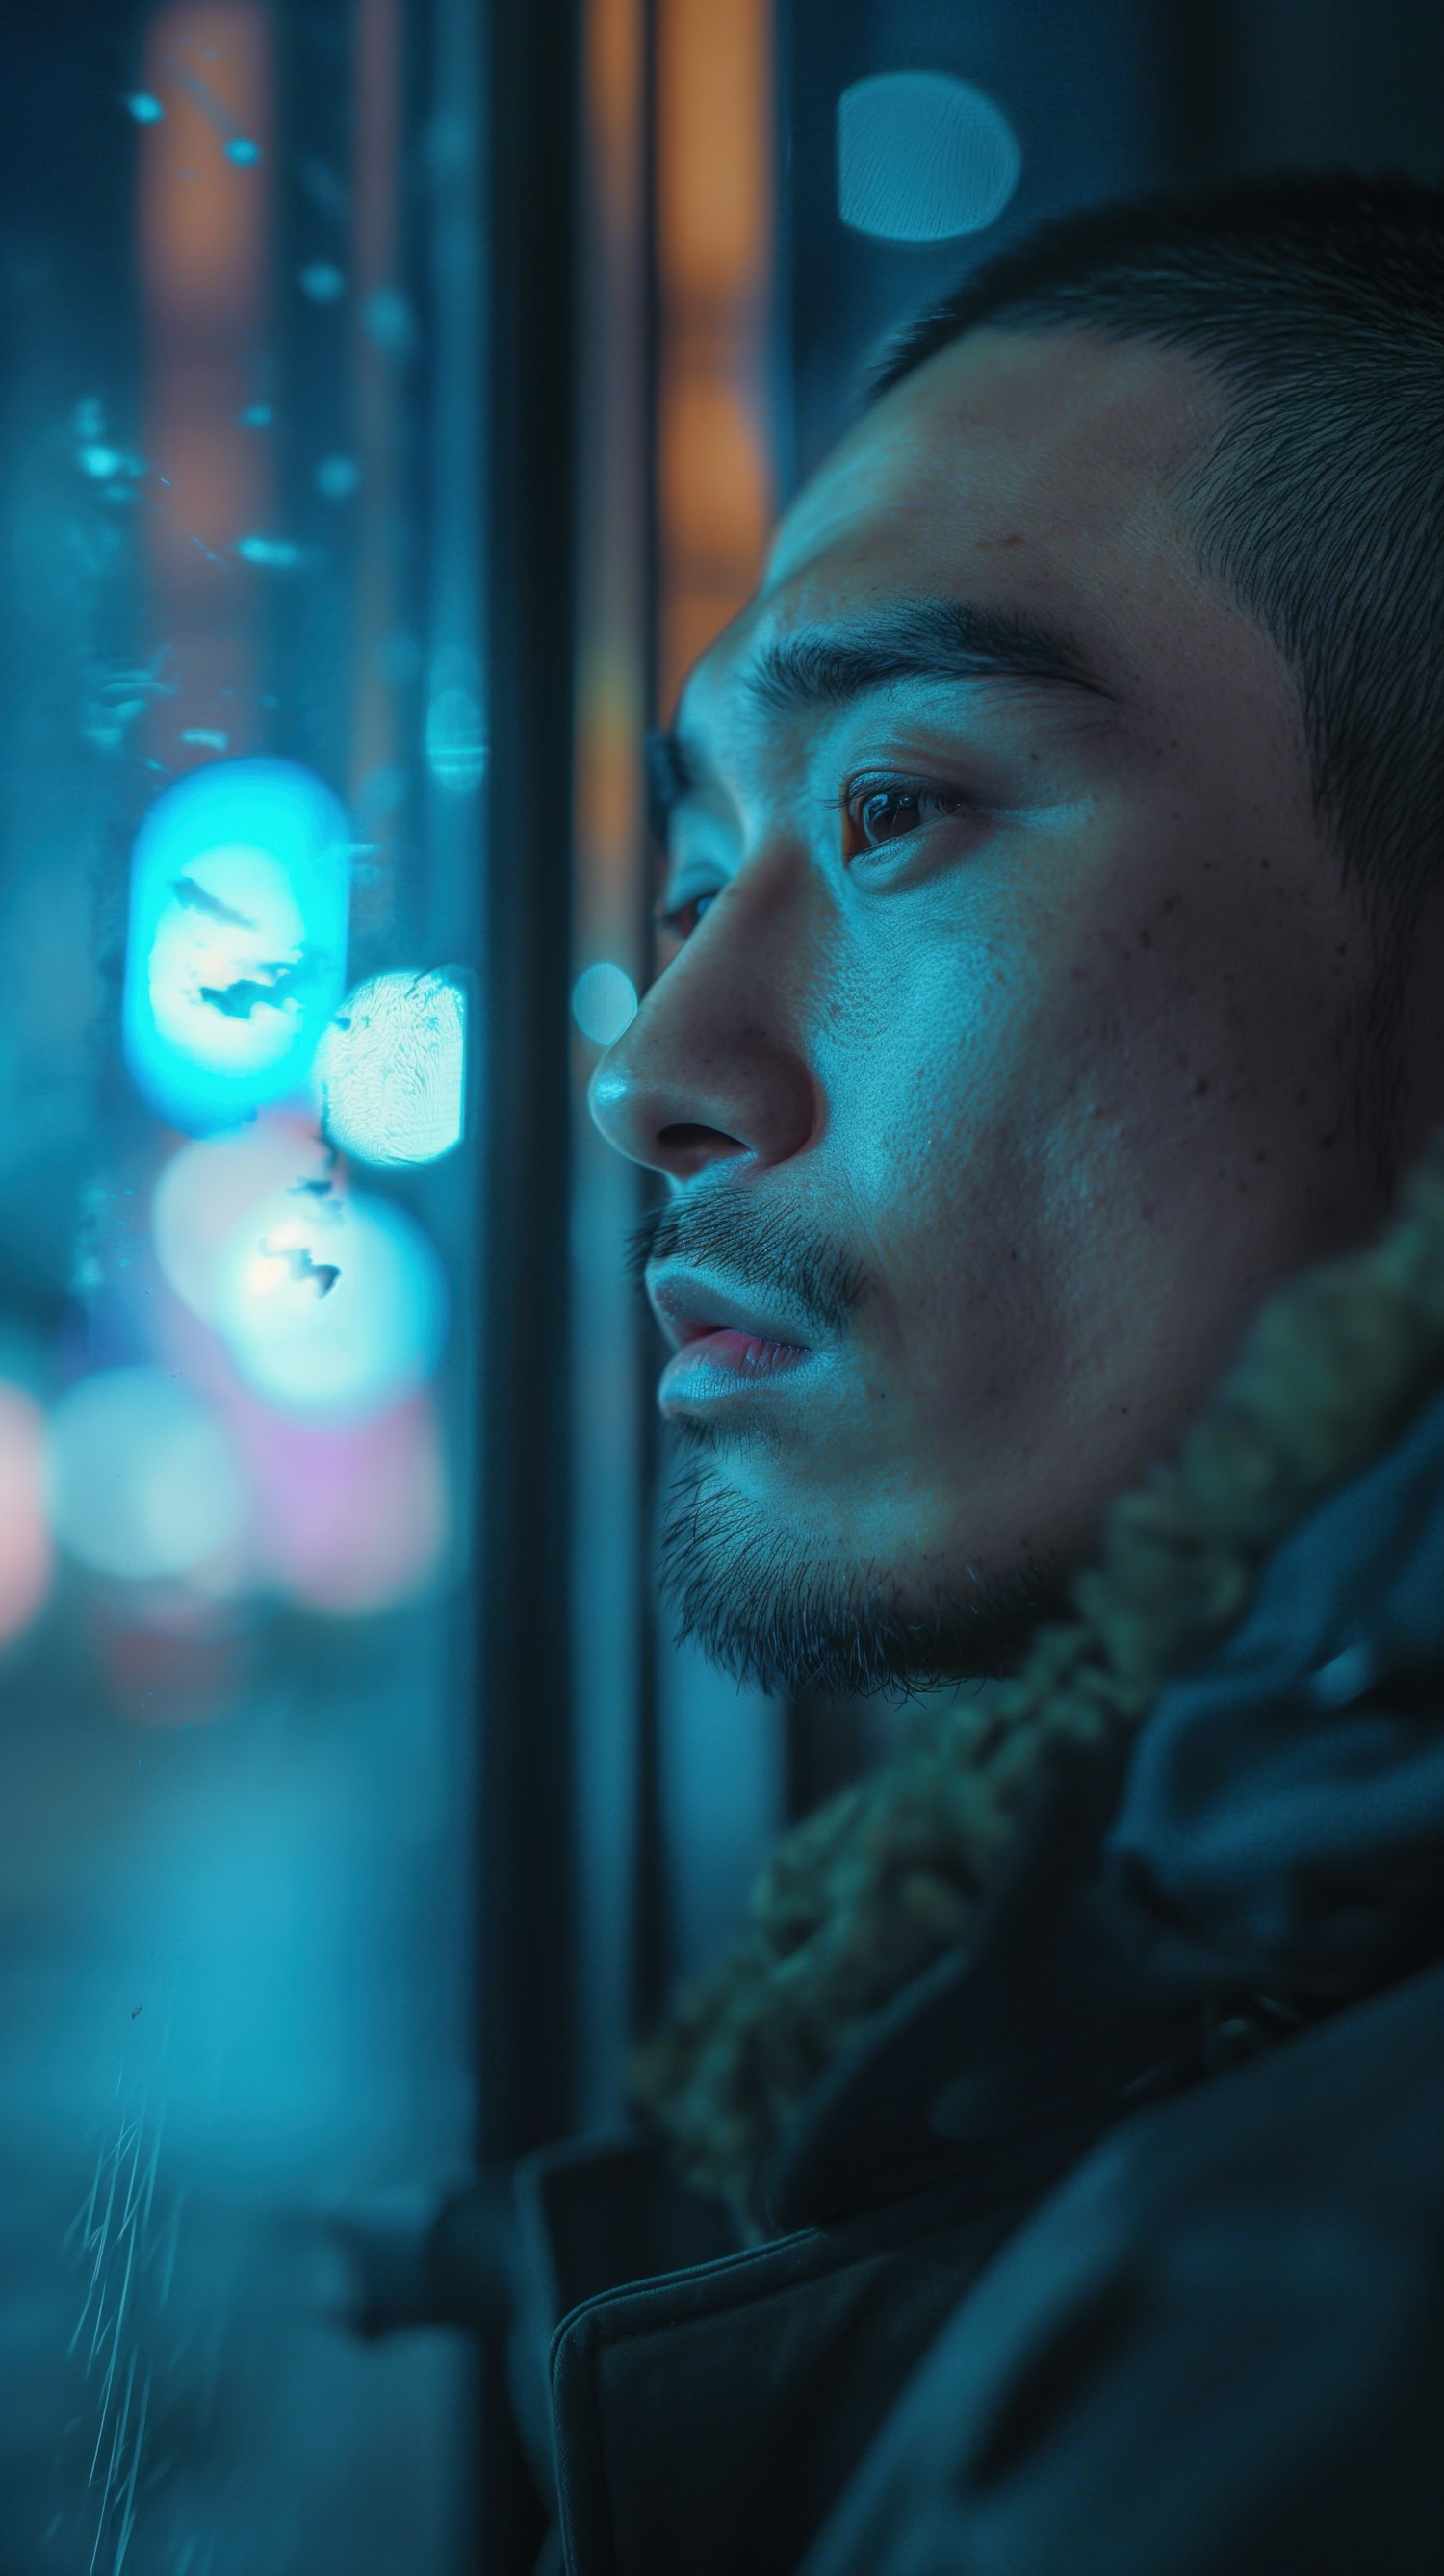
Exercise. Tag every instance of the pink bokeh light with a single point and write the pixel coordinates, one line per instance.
(27, 1555)
(350, 1517)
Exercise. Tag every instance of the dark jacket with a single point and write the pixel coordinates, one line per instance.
(1112, 2243)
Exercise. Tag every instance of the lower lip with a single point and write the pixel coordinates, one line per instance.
(731, 1358)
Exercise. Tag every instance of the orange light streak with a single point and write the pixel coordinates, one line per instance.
(202, 237)
(202, 246)
(714, 232)
(611, 671)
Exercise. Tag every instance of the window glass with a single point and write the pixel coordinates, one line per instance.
(243, 743)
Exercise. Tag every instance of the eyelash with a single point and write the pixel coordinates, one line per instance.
(900, 791)
(858, 792)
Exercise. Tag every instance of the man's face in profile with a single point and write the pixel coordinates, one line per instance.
(1006, 1047)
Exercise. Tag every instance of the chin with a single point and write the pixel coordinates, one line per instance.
(780, 1613)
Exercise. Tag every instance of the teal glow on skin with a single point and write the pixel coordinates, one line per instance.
(1071, 1074)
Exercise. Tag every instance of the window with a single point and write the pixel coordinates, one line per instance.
(240, 485)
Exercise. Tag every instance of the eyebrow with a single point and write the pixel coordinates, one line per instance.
(926, 639)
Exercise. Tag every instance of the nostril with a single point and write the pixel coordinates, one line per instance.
(687, 1138)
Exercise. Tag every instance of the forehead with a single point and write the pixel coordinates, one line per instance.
(1032, 472)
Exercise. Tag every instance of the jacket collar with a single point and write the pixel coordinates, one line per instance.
(1269, 1846)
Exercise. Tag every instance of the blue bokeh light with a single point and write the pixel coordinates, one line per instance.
(236, 957)
(322, 281)
(604, 1002)
(923, 157)
(142, 1478)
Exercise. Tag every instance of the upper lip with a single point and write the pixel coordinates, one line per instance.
(687, 1307)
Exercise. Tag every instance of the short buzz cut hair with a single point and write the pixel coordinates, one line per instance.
(1317, 302)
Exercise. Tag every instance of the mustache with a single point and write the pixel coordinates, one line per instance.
(767, 1249)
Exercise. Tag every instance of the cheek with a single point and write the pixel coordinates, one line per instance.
(944, 1106)
(936, 1106)
(993, 1080)
(989, 1104)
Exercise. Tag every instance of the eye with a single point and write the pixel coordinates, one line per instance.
(878, 811)
(682, 918)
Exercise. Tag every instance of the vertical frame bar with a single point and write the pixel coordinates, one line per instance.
(620, 1934)
(526, 2028)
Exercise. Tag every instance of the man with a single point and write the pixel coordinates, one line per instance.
(1047, 1075)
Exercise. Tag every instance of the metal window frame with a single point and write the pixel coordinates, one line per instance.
(525, 1955)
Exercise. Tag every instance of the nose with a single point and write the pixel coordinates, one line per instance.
(709, 1069)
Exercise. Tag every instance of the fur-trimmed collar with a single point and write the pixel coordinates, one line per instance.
(877, 1885)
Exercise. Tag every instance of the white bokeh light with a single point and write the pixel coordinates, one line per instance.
(142, 1479)
(250, 1183)
(455, 741)
(604, 1002)
(332, 1309)
(390, 1072)
(922, 156)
